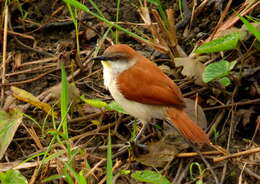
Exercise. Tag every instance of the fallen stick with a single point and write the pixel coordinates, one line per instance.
(247, 152)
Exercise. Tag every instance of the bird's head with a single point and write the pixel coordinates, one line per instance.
(118, 57)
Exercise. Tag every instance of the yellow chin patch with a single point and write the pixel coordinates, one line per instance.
(106, 64)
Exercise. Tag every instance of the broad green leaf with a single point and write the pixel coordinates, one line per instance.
(94, 102)
(9, 122)
(115, 107)
(150, 177)
(217, 70)
(250, 27)
(224, 43)
(12, 177)
(225, 81)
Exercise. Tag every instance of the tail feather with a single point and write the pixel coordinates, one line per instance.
(187, 127)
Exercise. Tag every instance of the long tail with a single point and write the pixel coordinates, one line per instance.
(187, 127)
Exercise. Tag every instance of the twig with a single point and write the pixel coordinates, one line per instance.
(45, 53)
(249, 102)
(28, 80)
(223, 15)
(241, 174)
(183, 173)
(21, 35)
(251, 173)
(94, 168)
(247, 152)
(243, 10)
(192, 154)
(4, 53)
(206, 163)
(36, 69)
(179, 171)
(44, 60)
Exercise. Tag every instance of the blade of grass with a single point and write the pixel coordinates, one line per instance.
(109, 160)
(96, 7)
(76, 175)
(117, 18)
(64, 101)
(75, 22)
(250, 27)
(180, 5)
(86, 9)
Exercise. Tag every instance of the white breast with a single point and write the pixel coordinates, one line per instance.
(143, 112)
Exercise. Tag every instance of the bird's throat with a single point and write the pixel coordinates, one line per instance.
(106, 64)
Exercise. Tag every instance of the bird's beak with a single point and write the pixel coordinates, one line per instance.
(100, 58)
(104, 60)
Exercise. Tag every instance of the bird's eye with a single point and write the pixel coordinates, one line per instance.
(117, 57)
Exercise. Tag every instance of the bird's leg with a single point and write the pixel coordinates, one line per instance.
(144, 123)
(134, 142)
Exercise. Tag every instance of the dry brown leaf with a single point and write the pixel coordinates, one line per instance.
(244, 115)
(161, 150)
(191, 68)
(196, 113)
(17, 60)
(74, 92)
(90, 33)
(25, 96)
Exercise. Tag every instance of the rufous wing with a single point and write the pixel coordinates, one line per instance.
(146, 83)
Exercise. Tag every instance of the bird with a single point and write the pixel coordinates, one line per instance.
(145, 92)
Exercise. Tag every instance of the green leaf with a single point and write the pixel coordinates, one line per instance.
(112, 106)
(125, 172)
(199, 182)
(115, 107)
(150, 177)
(94, 102)
(96, 122)
(217, 70)
(155, 2)
(225, 81)
(82, 178)
(53, 177)
(250, 27)
(64, 101)
(232, 65)
(9, 122)
(11, 177)
(223, 43)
